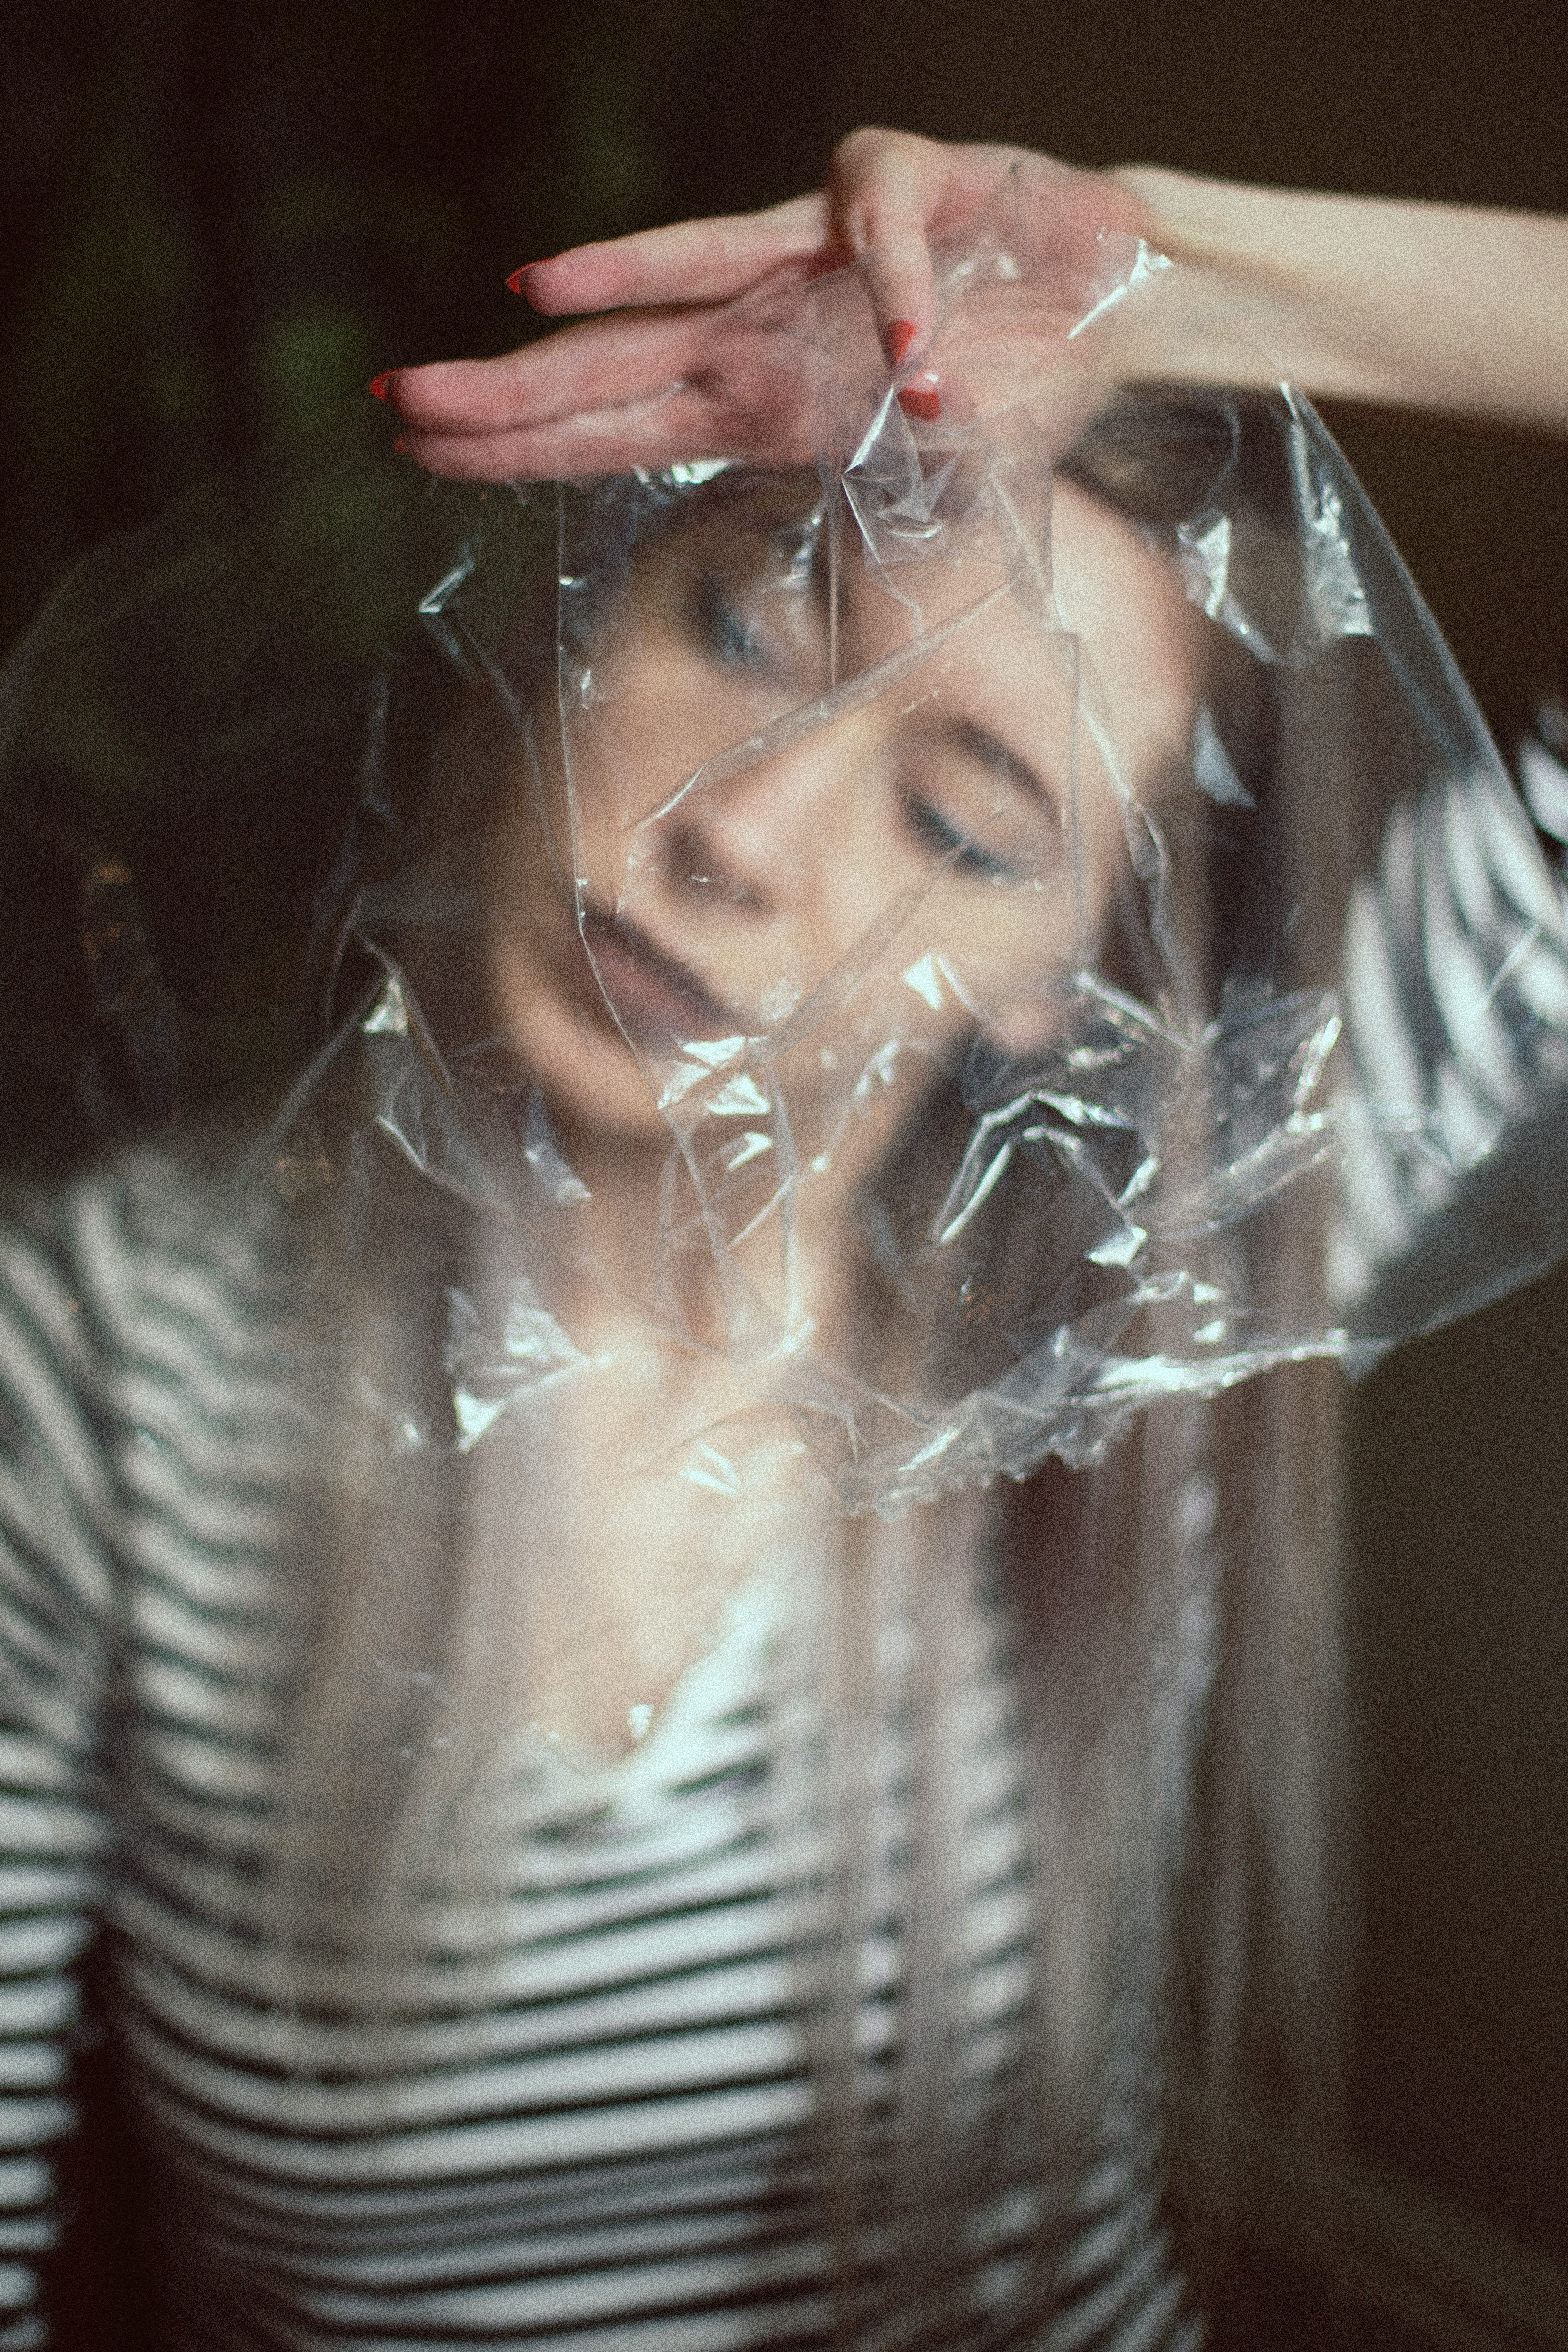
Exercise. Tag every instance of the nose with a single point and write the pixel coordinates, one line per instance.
(703, 861)
(753, 842)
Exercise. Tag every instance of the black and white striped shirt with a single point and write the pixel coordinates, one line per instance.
(601, 2138)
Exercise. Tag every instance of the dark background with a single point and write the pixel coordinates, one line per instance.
(215, 223)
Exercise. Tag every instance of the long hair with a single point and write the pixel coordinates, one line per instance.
(1168, 1612)
(1173, 1643)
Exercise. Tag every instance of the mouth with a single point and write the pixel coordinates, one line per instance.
(657, 1000)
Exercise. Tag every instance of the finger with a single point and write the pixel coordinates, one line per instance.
(690, 261)
(899, 278)
(680, 424)
(887, 189)
(601, 362)
(535, 453)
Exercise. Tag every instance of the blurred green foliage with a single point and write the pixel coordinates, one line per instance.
(219, 224)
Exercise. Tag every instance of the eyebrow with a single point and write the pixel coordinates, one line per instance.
(975, 743)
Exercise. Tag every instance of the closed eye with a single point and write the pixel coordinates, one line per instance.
(942, 839)
(724, 631)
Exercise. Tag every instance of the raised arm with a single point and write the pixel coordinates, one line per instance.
(1443, 308)
(1431, 306)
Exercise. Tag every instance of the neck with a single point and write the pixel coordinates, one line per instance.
(651, 1250)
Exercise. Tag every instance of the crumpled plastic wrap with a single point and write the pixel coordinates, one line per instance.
(995, 920)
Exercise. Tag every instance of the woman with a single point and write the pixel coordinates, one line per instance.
(623, 1830)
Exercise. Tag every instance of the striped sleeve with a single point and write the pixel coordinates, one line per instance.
(1455, 998)
(55, 1615)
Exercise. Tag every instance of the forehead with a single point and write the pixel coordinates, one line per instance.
(1121, 598)
(1088, 663)
(1118, 596)
(1114, 641)
(1124, 600)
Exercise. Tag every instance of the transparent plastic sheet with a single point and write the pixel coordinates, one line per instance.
(846, 978)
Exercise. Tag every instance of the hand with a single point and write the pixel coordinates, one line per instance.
(689, 365)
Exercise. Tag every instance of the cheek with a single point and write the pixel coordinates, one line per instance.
(1014, 956)
(654, 719)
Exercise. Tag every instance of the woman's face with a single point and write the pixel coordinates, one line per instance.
(865, 888)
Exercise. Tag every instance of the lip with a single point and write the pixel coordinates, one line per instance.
(656, 999)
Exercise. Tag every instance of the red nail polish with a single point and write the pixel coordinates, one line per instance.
(900, 334)
(518, 281)
(377, 385)
(926, 405)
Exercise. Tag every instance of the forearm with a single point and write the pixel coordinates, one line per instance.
(1437, 307)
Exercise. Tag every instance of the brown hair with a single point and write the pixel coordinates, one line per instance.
(1175, 1608)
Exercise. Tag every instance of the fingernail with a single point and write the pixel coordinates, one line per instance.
(915, 401)
(900, 334)
(517, 282)
(377, 385)
(401, 444)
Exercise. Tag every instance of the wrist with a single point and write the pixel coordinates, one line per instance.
(1452, 310)
(1280, 266)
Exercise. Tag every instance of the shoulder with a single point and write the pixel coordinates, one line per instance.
(157, 1259)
